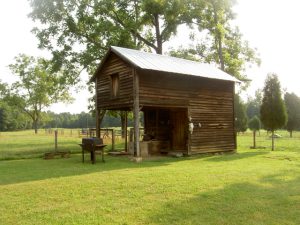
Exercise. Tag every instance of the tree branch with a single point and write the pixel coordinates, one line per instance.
(132, 31)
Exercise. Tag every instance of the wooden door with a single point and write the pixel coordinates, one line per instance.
(179, 129)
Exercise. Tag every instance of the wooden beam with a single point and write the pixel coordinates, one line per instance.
(97, 112)
(126, 125)
(136, 113)
(233, 117)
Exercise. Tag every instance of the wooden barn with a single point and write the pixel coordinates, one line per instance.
(187, 106)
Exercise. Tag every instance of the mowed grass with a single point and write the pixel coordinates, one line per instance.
(26, 144)
(250, 187)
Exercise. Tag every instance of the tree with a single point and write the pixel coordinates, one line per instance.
(38, 87)
(96, 25)
(222, 43)
(240, 114)
(253, 105)
(272, 111)
(78, 33)
(254, 125)
(292, 103)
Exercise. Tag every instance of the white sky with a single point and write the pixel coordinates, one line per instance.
(272, 26)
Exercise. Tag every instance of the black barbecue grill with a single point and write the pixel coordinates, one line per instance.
(92, 145)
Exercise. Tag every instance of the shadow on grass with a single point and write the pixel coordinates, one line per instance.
(23, 170)
(236, 156)
(274, 200)
(17, 171)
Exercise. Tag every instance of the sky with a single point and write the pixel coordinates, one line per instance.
(271, 26)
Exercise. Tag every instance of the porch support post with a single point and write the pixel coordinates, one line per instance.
(189, 141)
(126, 125)
(97, 112)
(136, 113)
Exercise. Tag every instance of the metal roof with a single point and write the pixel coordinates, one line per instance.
(150, 61)
(156, 62)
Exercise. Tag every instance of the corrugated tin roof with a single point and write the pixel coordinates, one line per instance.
(150, 61)
(156, 62)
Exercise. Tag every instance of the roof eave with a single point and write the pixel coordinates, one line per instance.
(93, 78)
(110, 50)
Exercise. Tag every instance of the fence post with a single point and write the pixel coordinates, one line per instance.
(112, 139)
(55, 135)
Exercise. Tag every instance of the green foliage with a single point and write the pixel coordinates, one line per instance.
(37, 86)
(254, 124)
(78, 33)
(292, 103)
(222, 43)
(273, 111)
(12, 118)
(253, 105)
(241, 119)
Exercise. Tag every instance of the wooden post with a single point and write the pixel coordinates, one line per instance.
(189, 133)
(131, 135)
(112, 140)
(98, 132)
(233, 119)
(136, 112)
(126, 124)
(55, 137)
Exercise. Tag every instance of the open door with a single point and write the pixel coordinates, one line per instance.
(179, 123)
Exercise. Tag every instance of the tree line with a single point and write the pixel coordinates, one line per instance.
(14, 120)
(269, 109)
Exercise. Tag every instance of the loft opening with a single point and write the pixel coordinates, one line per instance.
(115, 85)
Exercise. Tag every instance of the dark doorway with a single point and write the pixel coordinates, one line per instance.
(179, 123)
(167, 124)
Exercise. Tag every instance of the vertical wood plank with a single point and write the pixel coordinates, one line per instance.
(136, 111)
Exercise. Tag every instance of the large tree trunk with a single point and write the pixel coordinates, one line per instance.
(272, 140)
(158, 35)
(218, 41)
(220, 52)
(35, 126)
(99, 117)
(291, 134)
(254, 139)
(123, 123)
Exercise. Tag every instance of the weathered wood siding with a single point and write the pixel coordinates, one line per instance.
(209, 102)
(114, 65)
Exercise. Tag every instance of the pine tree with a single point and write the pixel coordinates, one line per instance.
(292, 103)
(273, 111)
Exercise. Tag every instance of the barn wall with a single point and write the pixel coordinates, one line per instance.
(209, 102)
(114, 65)
(213, 109)
(163, 90)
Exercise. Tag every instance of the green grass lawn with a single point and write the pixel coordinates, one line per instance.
(250, 187)
(26, 144)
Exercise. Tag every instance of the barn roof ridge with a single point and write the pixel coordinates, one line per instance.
(164, 63)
